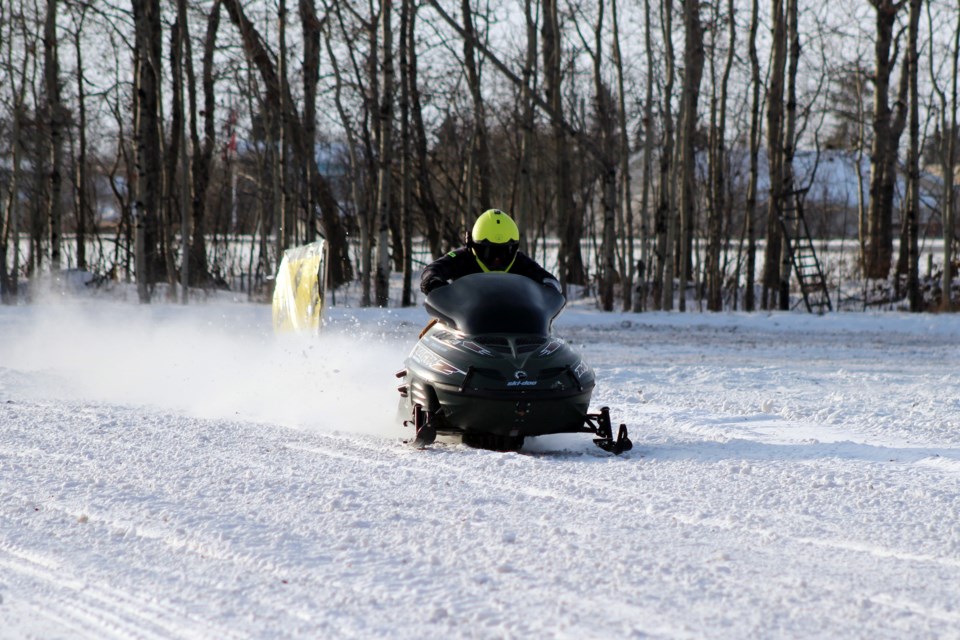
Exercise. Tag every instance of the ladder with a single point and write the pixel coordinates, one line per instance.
(806, 266)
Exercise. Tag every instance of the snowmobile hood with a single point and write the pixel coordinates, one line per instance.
(496, 303)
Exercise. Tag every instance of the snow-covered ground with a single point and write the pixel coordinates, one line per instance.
(179, 472)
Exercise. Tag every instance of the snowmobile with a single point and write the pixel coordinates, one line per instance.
(490, 370)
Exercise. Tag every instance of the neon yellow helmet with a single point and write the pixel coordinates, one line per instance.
(494, 240)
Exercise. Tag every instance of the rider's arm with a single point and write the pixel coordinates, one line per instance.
(524, 265)
(450, 266)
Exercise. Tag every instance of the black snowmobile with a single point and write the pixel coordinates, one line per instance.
(491, 371)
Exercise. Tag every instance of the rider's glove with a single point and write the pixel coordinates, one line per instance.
(433, 284)
(552, 282)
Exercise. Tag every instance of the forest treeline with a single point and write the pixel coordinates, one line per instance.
(654, 144)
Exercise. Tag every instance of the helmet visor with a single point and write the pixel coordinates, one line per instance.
(496, 257)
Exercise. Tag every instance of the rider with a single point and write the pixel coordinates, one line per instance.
(493, 245)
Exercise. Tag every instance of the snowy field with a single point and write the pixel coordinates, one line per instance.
(179, 472)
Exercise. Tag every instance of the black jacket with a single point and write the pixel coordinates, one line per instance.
(461, 262)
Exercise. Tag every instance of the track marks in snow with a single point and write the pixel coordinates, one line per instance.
(76, 607)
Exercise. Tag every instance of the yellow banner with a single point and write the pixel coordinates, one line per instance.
(299, 289)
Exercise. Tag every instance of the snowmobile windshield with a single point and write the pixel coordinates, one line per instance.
(496, 303)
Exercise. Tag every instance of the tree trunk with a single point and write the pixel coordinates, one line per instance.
(693, 59)
(203, 154)
(713, 270)
(949, 172)
(640, 298)
(188, 84)
(771, 259)
(176, 150)
(608, 169)
(284, 106)
(310, 26)
(13, 203)
(55, 113)
(384, 205)
(624, 210)
(407, 43)
(569, 222)
(749, 301)
(81, 198)
(148, 38)
(666, 210)
(789, 197)
(879, 237)
(913, 161)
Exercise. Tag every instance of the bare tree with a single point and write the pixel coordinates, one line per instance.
(693, 60)
(358, 132)
(149, 152)
(569, 223)
(479, 165)
(607, 164)
(527, 122)
(55, 116)
(407, 43)
(947, 152)
(624, 210)
(202, 153)
(311, 28)
(789, 198)
(11, 206)
(385, 156)
(716, 206)
(82, 200)
(887, 128)
(750, 214)
(322, 193)
(913, 160)
(775, 121)
(176, 157)
(639, 302)
(438, 229)
(666, 220)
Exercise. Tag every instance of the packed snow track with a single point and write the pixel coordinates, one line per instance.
(179, 472)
